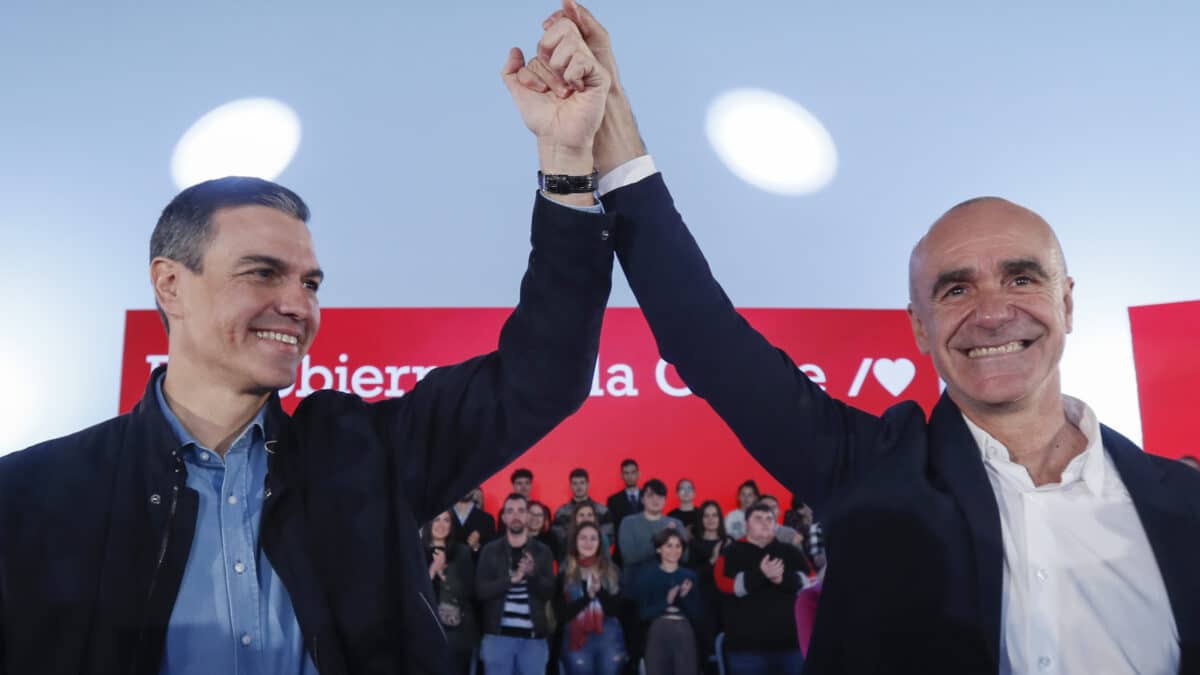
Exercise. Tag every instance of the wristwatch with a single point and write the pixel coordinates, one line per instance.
(560, 184)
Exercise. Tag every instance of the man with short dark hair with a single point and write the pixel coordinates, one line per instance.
(785, 533)
(638, 530)
(579, 496)
(521, 480)
(470, 525)
(623, 503)
(760, 577)
(208, 531)
(514, 579)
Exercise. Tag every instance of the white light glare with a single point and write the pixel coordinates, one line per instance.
(248, 137)
(771, 142)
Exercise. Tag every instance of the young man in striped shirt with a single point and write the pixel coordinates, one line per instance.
(515, 579)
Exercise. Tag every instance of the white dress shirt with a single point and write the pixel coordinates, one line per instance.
(1082, 589)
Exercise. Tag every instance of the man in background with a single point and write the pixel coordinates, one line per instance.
(514, 581)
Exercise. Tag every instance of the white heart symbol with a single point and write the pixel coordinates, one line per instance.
(895, 376)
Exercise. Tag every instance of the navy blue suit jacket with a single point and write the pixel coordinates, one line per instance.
(914, 543)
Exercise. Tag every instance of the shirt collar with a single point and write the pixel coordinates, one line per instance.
(1090, 466)
(189, 442)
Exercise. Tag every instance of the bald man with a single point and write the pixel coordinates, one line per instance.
(1034, 539)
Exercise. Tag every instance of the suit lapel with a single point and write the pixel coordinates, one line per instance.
(1172, 525)
(956, 456)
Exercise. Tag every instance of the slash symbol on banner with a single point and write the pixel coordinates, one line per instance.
(893, 375)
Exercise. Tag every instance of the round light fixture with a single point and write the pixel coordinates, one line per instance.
(771, 142)
(248, 137)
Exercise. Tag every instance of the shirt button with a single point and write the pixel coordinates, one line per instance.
(604, 235)
(239, 567)
(232, 499)
(1045, 662)
(204, 456)
(1041, 574)
(246, 639)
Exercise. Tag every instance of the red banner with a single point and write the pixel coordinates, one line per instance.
(1164, 348)
(638, 406)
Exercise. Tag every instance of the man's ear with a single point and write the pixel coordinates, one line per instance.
(1069, 303)
(918, 329)
(164, 277)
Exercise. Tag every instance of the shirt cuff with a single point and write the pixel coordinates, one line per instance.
(594, 208)
(627, 174)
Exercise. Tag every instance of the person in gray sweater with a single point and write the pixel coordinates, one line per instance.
(638, 530)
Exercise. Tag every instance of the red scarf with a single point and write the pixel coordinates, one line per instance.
(591, 619)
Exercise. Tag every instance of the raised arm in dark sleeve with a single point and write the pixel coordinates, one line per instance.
(463, 423)
(809, 441)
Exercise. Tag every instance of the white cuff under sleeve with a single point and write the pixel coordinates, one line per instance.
(627, 174)
(739, 585)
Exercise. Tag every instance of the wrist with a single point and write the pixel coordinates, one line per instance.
(554, 158)
(618, 140)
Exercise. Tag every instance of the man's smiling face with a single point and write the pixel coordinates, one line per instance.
(991, 303)
(251, 314)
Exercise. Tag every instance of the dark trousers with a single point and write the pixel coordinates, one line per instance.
(671, 647)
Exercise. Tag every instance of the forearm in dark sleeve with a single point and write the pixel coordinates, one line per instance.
(489, 586)
(789, 424)
(463, 423)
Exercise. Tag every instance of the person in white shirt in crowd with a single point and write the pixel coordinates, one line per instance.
(735, 520)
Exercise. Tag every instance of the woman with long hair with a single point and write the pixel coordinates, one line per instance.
(590, 601)
(585, 513)
(707, 546)
(710, 538)
(453, 577)
(539, 526)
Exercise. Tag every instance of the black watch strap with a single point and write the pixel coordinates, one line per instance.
(560, 184)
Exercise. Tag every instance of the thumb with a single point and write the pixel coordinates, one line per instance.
(514, 63)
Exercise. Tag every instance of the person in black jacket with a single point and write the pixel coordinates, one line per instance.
(624, 502)
(452, 573)
(115, 540)
(589, 595)
(472, 526)
(515, 583)
(760, 577)
(1024, 509)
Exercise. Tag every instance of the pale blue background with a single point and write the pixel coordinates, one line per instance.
(1087, 112)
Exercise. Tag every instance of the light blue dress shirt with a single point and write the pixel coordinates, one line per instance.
(232, 615)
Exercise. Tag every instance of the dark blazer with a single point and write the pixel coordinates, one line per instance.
(618, 509)
(479, 521)
(888, 483)
(96, 527)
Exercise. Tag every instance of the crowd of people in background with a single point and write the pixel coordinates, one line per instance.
(602, 588)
